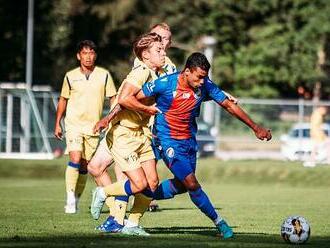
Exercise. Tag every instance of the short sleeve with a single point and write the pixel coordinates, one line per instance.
(66, 88)
(138, 76)
(110, 89)
(155, 87)
(214, 92)
(169, 67)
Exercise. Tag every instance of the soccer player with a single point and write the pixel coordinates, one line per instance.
(83, 91)
(102, 158)
(179, 97)
(130, 146)
(164, 31)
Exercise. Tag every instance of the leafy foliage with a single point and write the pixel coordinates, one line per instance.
(264, 48)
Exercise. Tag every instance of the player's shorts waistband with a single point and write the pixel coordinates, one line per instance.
(132, 128)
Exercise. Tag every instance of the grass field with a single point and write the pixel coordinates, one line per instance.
(254, 196)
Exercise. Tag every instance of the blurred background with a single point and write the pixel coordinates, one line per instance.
(272, 55)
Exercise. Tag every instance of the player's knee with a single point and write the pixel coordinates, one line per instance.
(192, 186)
(153, 184)
(140, 184)
(94, 169)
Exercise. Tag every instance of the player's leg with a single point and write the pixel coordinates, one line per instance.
(90, 144)
(81, 182)
(125, 151)
(169, 188)
(142, 200)
(71, 179)
(121, 202)
(99, 164)
(136, 183)
(181, 160)
(97, 167)
(115, 221)
(74, 141)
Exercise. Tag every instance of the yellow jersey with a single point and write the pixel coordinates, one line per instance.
(139, 75)
(85, 95)
(167, 69)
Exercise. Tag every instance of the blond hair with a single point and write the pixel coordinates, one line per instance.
(162, 25)
(144, 42)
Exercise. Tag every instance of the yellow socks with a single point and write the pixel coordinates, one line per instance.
(141, 204)
(81, 183)
(71, 176)
(120, 188)
(121, 203)
(110, 202)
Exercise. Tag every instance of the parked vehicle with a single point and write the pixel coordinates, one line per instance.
(297, 144)
(206, 136)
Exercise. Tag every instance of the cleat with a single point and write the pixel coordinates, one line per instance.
(129, 223)
(225, 230)
(97, 203)
(134, 231)
(153, 207)
(70, 209)
(107, 222)
(71, 203)
(110, 226)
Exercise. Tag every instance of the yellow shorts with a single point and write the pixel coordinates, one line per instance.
(130, 147)
(87, 144)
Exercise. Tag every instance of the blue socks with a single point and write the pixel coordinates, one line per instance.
(128, 188)
(200, 199)
(167, 190)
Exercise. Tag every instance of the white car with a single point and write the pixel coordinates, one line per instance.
(297, 144)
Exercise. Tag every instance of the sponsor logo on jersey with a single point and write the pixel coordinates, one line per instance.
(185, 95)
(170, 152)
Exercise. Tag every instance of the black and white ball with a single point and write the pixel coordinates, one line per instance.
(295, 230)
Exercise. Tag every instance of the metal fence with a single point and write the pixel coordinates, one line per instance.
(27, 123)
(236, 140)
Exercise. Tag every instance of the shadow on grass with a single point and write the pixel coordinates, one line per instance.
(161, 237)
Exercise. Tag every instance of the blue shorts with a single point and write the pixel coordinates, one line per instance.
(178, 155)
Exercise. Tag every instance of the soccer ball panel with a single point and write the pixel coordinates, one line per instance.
(295, 229)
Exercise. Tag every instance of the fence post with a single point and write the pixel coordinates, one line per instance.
(9, 134)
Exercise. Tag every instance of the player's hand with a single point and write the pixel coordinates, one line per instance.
(152, 110)
(230, 97)
(101, 125)
(263, 133)
(58, 132)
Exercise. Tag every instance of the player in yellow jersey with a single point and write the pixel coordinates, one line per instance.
(83, 92)
(130, 146)
(164, 31)
(102, 159)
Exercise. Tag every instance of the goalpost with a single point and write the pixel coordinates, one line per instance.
(27, 122)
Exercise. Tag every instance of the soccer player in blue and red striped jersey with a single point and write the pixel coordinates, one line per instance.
(179, 97)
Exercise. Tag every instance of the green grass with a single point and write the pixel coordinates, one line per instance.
(254, 196)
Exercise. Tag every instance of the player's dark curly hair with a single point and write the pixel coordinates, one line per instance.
(197, 60)
(86, 43)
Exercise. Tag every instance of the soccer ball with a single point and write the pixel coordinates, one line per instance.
(295, 230)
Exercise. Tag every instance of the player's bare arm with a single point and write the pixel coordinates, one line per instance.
(127, 98)
(238, 112)
(61, 108)
(230, 97)
(104, 122)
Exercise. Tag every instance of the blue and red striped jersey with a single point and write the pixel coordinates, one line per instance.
(179, 105)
